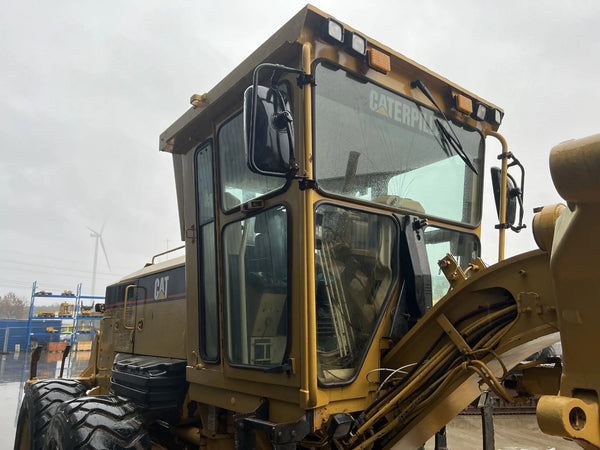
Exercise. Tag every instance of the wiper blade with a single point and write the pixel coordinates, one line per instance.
(448, 141)
(452, 142)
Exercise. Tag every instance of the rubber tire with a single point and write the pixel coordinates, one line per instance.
(40, 403)
(101, 422)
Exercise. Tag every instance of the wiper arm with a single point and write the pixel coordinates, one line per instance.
(449, 141)
(452, 142)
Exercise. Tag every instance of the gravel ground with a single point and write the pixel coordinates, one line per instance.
(511, 432)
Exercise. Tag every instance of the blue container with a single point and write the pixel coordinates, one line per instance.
(14, 331)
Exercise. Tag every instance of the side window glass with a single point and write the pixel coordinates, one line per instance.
(257, 294)
(208, 313)
(238, 184)
(355, 270)
(439, 242)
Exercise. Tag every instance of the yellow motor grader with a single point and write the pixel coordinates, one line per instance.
(332, 293)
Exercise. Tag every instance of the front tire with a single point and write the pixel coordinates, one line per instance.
(40, 402)
(106, 422)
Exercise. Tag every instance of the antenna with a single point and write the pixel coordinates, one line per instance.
(98, 236)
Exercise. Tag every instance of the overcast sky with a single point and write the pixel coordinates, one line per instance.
(87, 87)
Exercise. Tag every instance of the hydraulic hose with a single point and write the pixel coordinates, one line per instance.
(441, 366)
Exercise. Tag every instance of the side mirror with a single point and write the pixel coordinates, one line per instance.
(511, 197)
(268, 131)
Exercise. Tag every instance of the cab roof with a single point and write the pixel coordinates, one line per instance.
(187, 131)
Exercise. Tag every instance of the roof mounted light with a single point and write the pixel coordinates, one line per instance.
(494, 116)
(356, 44)
(479, 111)
(334, 31)
(379, 61)
(463, 103)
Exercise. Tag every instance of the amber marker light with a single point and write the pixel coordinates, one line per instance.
(379, 60)
(463, 103)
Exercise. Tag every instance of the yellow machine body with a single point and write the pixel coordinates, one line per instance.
(341, 302)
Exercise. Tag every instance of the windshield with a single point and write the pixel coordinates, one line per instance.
(375, 145)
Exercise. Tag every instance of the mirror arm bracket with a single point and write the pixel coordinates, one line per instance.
(294, 167)
(306, 183)
(304, 79)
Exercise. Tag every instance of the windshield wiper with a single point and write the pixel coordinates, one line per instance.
(452, 142)
(449, 141)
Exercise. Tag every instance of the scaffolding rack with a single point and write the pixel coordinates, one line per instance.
(70, 329)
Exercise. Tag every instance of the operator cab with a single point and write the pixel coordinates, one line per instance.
(318, 188)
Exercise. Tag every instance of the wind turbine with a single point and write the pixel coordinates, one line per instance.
(98, 236)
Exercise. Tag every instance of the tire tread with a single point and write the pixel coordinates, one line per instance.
(108, 422)
(41, 401)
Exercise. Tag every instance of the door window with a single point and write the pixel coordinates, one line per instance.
(256, 282)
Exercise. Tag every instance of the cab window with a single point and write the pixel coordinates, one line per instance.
(355, 269)
(208, 313)
(238, 184)
(257, 288)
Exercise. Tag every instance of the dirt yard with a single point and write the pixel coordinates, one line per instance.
(512, 432)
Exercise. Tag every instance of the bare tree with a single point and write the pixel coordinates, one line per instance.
(13, 307)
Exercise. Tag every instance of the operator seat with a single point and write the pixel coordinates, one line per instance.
(400, 202)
